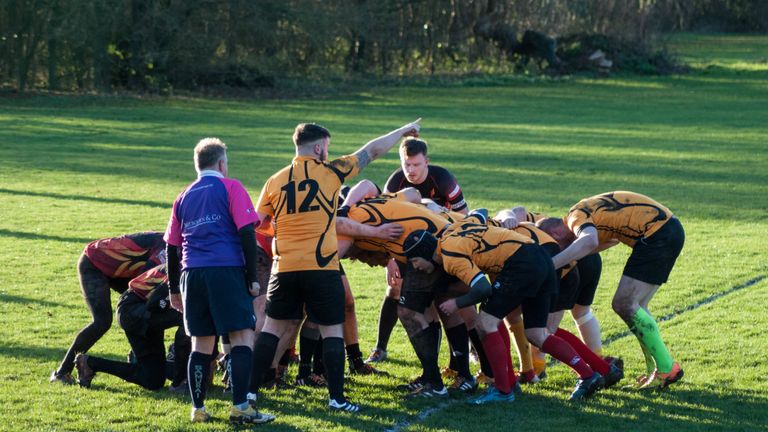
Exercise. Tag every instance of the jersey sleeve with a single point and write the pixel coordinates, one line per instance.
(578, 219)
(394, 181)
(450, 189)
(173, 231)
(240, 204)
(346, 167)
(264, 204)
(459, 263)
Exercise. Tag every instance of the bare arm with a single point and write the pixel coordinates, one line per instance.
(584, 244)
(348, 227)
(378, 146)
(411, 195)
(507, 218)
(363, 189)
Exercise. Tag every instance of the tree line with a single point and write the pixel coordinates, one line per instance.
(156, 45)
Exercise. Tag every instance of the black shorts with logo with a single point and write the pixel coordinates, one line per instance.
(320, 291)
(528, 278)
(653, 257)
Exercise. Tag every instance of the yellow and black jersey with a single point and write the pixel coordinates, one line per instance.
(469, 248)
(534, 217)
(392, 208)
(620, 215)
(302, 200)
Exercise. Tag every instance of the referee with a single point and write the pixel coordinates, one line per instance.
(212, 226)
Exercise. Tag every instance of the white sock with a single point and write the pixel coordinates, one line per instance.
(589, 330)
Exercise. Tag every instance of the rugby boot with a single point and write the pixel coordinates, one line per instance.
(492, 395)
(587, 387)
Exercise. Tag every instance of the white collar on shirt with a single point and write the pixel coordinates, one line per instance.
(207, 173)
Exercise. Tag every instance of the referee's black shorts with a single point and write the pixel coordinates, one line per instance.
(216, 301)
(653, 257)
(320, 291)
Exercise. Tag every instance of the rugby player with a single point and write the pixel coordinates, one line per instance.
(433, 182)
(106, 264)
(212, 224)
(524, 276)
(301, 199)
(415, 305)
(656, 237)
(144, 313)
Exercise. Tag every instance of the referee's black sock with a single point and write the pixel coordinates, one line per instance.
(198, 370)
(263, 354)
(458, 341)
(240, 362)
(333, 358)
(485, 366)
(387, 322)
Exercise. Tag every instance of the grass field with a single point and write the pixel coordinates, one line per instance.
(76, 169)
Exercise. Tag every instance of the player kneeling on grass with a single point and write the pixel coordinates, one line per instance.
(525, 276)
(656, 238)
(144, 313)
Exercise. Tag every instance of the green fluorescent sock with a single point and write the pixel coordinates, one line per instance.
(646, 330)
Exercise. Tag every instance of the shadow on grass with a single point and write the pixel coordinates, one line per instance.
(37, 236)
(155, 204)
(9, 298)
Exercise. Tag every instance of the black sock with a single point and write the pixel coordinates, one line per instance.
(437, 333)
(425, 346)
(317, 358)
(458, 341)
(240, 363)
(354, 356)
(485, 366)
(263, 353)
(122, 370)
(285, 358)
(308, 340)
(333, 358)
(182, 347)
(387, 322)
(198, 369)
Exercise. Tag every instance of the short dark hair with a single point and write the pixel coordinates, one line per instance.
(413, 146)
(306, 133)
(549, 224)
(208, 151)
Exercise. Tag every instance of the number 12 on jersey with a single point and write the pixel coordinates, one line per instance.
(290, 190)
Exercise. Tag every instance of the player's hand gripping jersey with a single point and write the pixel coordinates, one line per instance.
(302, 200)
(389, 208)
(620, 215)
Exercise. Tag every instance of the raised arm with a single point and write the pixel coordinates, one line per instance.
(378, 146)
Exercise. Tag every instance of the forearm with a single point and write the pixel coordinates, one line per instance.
(480, 290)
(174, 267)
(348, 227)
(248, 242)
(378, 146)
(580, 248)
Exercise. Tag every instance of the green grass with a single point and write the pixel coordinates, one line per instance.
(81, 168)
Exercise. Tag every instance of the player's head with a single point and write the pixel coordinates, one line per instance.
(211, 154)
(311, 139)
(414, 160)
(420, 247)
(556, 228)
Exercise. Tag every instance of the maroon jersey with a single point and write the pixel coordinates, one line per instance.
(440, 186)
(127, 256)
(144, 283)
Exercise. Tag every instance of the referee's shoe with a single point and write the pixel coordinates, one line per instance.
(249, 415)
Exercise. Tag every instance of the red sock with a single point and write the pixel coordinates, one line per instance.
(494, 349)
(504, 333)
(593, 360)
(560, 350)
